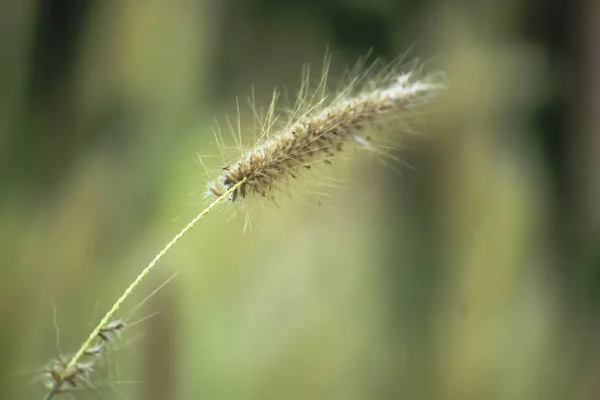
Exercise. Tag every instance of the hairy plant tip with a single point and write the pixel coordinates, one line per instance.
(59, 376)
(322, 131)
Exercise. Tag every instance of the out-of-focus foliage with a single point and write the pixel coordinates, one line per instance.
(473, 276)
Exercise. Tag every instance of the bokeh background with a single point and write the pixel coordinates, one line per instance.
(473, 275)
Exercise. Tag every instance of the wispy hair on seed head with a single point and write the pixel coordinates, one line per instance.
(60, 377)
(321, 126)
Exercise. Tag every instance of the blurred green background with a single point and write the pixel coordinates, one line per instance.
(475, 275)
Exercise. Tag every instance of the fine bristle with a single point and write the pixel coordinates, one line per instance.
(318, 129)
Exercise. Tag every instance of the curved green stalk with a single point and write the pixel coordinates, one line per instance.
(110, 314)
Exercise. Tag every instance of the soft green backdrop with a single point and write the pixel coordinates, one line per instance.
(472, 276)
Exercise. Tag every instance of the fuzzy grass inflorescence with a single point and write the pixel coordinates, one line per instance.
(320, 127)
(61, 375)
(315, 130)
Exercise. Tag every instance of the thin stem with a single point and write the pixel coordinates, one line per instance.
(53, 392)
(109, 315)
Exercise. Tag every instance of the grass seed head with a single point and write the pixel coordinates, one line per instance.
(58, 378)
(320, 128)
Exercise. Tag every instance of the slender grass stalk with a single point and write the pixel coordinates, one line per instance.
(314, 132)
(60, 380)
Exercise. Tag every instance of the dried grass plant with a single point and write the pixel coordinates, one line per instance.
(367, 113)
